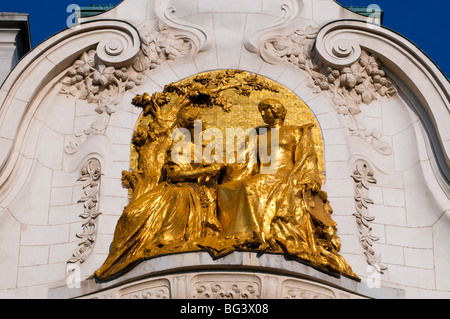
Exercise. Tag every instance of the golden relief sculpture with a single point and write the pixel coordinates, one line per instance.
(185, 197)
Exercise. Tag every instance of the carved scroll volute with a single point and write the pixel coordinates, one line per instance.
(254, 41)
(337, 48)
(120, 48)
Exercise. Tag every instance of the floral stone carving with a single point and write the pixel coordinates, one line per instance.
(299, 293)
(150, 293)
(160, 45)
(348, 87)
(104, 86)
(363, 177)
(90, 176)
(226, 290)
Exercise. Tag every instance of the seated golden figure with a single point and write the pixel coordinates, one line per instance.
(277, 205)
(172, 216)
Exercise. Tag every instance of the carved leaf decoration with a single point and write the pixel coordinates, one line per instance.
(103, 76)
(87, 181)
(67, 81)
(90, 80)
(365, 201)
(348, 79)
(343, 110)
(365, 218)
(382, 145)
(282, 44)
(74, 259)
(100, 108)
(94, 215)
(310, 32)
(90, 90)
(376, 133)
(141, 63)
(297, 51)
(363, 176)
(85, 64)
(85, 215)
(375, 261)
(96, 127)
(354, 110)
(368, 179)
(347, 87)
(110, 109)
(338, 101)
(175, 47)
(364, 59)
(366, 93)
(90, 175)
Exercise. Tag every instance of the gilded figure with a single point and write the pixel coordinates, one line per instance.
(281, 209)
(171, 216)
(269, 202)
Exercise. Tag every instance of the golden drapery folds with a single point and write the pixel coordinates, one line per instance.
(270, 202)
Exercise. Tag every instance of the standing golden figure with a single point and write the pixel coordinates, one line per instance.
(270, 202)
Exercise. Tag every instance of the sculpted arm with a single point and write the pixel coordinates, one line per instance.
(184, 172)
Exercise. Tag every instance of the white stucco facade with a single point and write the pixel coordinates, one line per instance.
(397, 133)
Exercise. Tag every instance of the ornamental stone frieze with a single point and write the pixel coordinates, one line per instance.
(280, 279)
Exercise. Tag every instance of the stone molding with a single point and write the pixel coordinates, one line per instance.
(247, 276)
(254, 40)
(236, 285)
(198, 37)
(117, 44)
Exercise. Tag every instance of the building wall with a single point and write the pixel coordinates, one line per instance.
(51, 127)
(14, 41)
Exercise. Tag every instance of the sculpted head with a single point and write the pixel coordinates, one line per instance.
(187, 116)
(272, 111)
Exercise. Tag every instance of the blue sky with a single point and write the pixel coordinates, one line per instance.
(423, 22)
